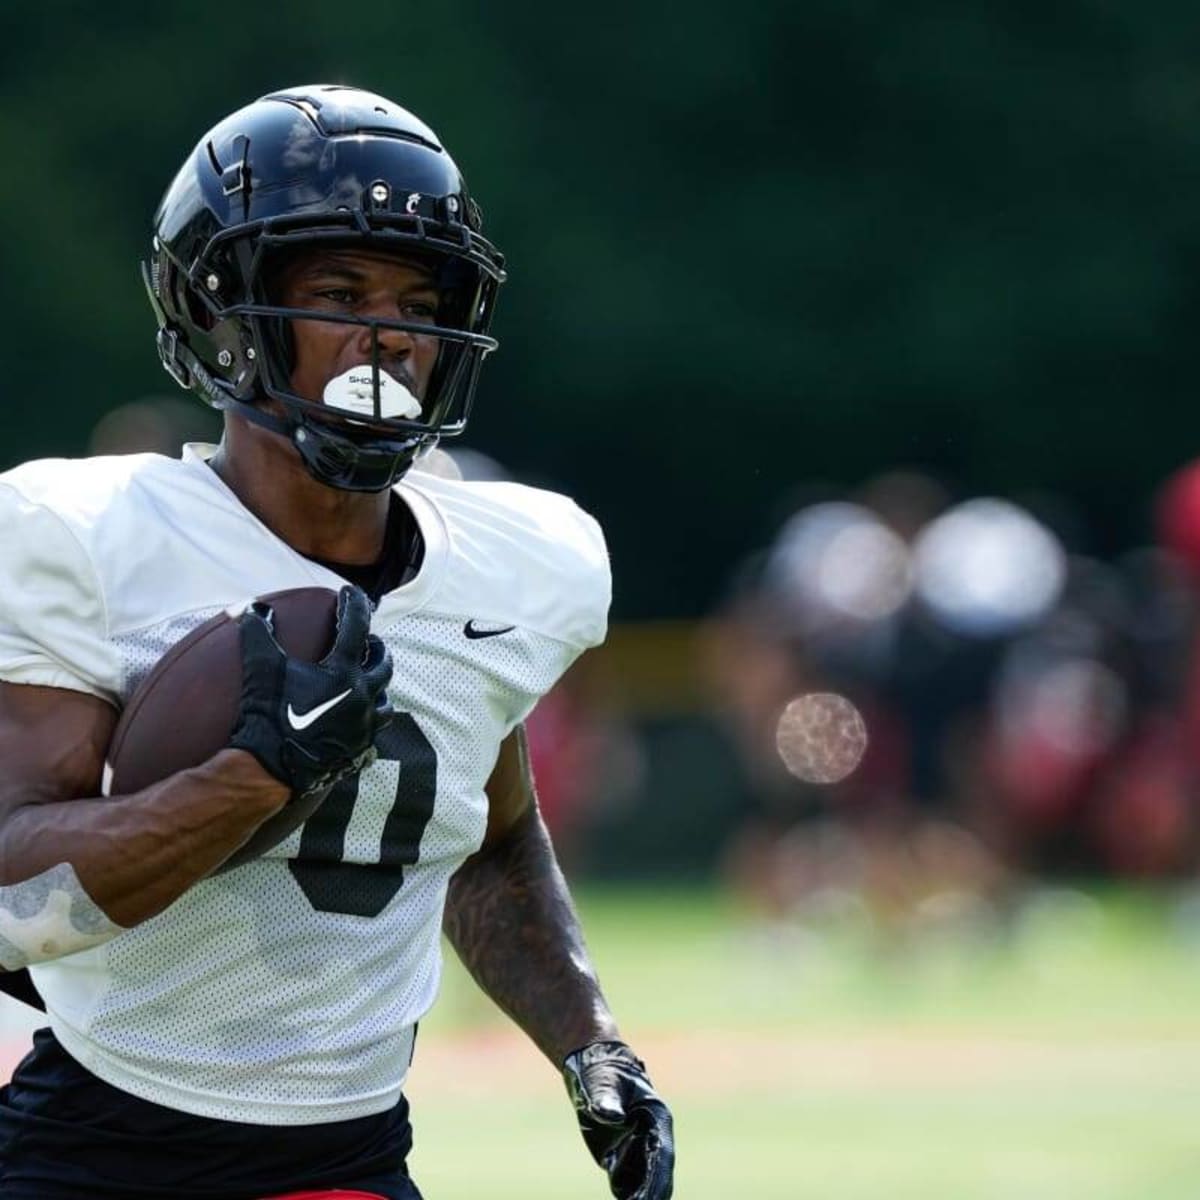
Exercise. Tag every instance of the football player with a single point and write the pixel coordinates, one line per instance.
(319, 273)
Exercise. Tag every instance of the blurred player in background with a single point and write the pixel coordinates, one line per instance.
(319, 274)
(1024, 711)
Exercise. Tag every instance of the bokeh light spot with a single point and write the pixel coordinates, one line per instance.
(821, 737)
(988, 567)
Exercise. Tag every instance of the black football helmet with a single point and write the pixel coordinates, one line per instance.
(318, 164)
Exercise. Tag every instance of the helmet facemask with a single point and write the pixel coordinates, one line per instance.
(363, 450)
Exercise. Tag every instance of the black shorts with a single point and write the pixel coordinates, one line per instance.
(64, 1134)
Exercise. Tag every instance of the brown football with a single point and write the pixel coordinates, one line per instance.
(185, 710)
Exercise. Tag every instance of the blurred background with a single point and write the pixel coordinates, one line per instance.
(867, 333)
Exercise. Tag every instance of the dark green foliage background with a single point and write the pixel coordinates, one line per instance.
(752, 246)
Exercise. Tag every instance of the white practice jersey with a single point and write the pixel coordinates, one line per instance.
(286, 991)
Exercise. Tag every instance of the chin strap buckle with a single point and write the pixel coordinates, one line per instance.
(168, 351)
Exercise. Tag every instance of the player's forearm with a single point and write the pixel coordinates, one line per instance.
(510, 918)
(78, 869)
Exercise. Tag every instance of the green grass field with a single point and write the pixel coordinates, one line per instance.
(1056, 1057)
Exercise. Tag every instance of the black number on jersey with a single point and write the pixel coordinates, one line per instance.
(365, 889)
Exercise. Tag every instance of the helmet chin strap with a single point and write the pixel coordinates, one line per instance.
(333, 459)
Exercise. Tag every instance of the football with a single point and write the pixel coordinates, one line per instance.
(185, 710)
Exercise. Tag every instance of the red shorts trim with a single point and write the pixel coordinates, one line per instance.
(335, 1194)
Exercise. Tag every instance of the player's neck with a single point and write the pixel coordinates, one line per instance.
(267, 476)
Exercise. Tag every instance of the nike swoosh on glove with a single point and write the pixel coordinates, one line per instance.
(624, 1122)
(309, 724)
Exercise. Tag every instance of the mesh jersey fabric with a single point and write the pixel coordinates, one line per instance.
(286, 990)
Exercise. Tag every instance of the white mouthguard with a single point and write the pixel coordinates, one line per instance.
(353, 393)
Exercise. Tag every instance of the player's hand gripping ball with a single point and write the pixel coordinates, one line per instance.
(309, 724)
(624, 1122)
(296, 679)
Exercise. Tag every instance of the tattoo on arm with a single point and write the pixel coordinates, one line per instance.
(511, 920)
(48, 917)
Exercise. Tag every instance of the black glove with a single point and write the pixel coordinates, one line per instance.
(626, 1126)
(309, 724)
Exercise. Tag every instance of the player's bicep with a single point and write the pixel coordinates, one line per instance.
(510, 790)
(52, 744)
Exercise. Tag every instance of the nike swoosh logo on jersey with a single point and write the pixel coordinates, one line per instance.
(473, 631)
(299, 721)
